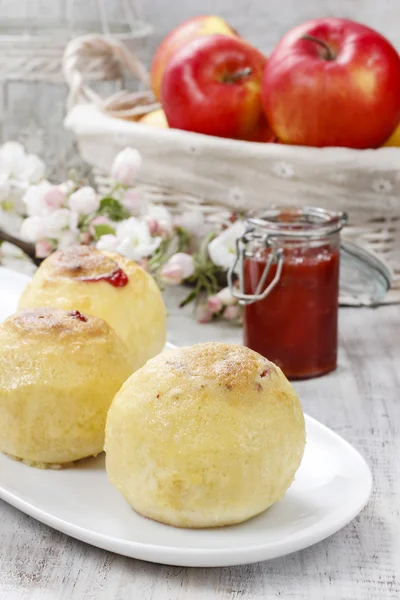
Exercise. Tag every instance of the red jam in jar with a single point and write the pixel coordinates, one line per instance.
(291, 316)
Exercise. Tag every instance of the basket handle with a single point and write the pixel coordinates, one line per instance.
(105, 58)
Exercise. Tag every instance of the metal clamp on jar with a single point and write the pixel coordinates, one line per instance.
(287, 266)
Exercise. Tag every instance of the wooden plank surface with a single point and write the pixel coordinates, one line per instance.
(361, 401)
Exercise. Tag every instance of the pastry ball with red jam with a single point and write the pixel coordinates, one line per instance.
(108, 286)
(204, 436)
(59, 372)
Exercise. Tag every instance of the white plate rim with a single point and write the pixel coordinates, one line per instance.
(200, 557)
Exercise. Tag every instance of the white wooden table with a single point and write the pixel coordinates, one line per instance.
(361, 401)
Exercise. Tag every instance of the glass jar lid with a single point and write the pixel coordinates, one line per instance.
(364, 278)
(292, 222)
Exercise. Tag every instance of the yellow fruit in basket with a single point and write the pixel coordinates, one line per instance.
(59, 372)
(204, 436)
(394, 139)
(108, 286)
(156, 118)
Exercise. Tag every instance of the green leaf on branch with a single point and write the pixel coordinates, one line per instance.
(160, 256)
(113, 209)
(103, 229)
(205, 278)
(183, 239)
(189, 298)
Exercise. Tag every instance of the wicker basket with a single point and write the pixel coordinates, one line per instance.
(188, 171)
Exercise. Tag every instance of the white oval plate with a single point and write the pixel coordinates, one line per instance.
(332, 485)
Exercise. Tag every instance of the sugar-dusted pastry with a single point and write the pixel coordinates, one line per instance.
(204, 436)
(108, 286)
(59, 371)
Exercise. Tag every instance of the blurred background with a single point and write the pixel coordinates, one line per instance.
(263, 22)
(33, 34)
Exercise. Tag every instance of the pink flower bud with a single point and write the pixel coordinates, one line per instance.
(164, 229)
(185, 262)
(203, 313)
(159, 220)
(125, 167)
(171, 274)
(43, 249)
(214, 304)
(231, 313)
(158, 227)
(225, 295)
(152, 224)
(54, 198)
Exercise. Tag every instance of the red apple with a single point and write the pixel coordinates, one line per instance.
(332, 82)
(213, 86)
(261, 133)
(186, 32)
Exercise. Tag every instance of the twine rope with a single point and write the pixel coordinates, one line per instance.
(108, 58)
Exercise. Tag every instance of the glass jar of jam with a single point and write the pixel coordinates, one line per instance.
(287, 266)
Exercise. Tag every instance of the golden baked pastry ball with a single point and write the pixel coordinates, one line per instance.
(59, 372)
(108, 286)
(204, 436)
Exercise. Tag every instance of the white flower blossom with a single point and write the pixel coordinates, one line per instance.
(19, 166)
(10, 250)
(34, 199)
(84, 201)
(33, 169)
(12, 158)
(222, 249)
(135, 240)
(67, 187)
(126, 166)
(159, 220)
(34, 229)
(60, 221)
(10, 221)
(4, 185)
(108, 242)
(22, 265)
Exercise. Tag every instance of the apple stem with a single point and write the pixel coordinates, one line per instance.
(328, 54)
(233, 77)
